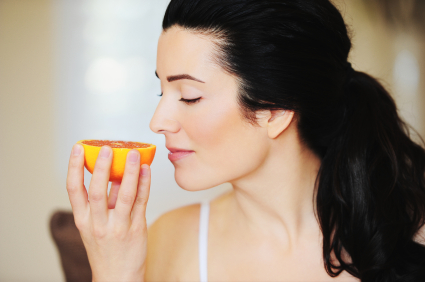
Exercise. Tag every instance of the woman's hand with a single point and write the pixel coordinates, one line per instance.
(113, 230)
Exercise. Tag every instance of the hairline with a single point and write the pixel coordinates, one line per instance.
(218, 58)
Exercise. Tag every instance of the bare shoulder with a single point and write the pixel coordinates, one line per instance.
(171, 238)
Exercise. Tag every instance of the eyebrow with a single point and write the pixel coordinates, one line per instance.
(180, 76)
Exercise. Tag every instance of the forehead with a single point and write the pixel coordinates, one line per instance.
(183, 51)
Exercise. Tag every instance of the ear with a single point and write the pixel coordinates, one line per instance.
(276, 121)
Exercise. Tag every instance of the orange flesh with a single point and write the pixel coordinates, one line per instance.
(116, 144)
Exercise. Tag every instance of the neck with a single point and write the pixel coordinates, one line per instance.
(277, 199)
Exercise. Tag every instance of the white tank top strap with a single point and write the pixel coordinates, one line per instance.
(203, 240)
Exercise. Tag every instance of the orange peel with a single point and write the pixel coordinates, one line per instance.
(120, 150)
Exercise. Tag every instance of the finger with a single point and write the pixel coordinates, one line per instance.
(77, 193)
(98, 191)
(128, 188)
(113, 194)
(142, 197)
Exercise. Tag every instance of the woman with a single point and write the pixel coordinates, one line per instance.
(327, 184)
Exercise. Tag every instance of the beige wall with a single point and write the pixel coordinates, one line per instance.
(29, 192)
(375, 47)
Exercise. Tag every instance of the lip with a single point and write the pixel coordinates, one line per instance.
(178, 154)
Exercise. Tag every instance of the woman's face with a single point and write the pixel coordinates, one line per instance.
(223, 146)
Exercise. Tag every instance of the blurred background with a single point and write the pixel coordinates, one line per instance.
(74, 69)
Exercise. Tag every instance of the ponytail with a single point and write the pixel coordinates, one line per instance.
(371, 193)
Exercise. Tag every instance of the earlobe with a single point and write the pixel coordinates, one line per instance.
(278, 122)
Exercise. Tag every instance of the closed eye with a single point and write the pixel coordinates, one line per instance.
(192, 101)
(187, 101)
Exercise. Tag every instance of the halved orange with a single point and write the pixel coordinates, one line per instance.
(120, 150)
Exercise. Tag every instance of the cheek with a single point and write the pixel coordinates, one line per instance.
(213, 127)
(226, 147)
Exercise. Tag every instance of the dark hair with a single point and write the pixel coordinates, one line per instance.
(292, 54)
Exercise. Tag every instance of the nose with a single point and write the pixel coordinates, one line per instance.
(164, 119)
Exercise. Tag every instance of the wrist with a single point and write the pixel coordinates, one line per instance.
(136, 277)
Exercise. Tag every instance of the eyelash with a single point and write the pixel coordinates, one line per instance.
(186, 100)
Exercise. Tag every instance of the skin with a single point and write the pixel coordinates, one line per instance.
(264, 229)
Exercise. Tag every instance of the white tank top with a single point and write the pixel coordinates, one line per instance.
(203, 240)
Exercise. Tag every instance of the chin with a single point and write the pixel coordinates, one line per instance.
(192, 181)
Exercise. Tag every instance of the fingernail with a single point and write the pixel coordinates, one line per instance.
(76, 150)
(105, 152)
(145, 169)
(134, 157)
